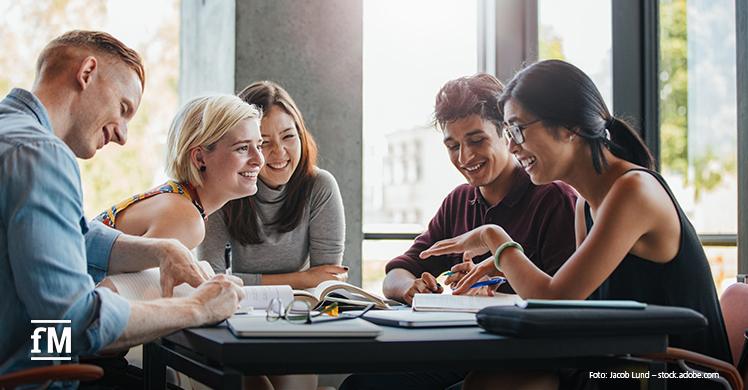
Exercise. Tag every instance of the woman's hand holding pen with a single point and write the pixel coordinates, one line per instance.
(471, 244)
(457, 272)
(481, 272)
(460, 271)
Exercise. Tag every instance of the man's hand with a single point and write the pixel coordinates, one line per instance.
(218, 298)
(135, 254)
(212, 302)
(316, 275)
(177, 266)
(426, 284)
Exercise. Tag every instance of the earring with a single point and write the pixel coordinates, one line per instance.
(571, 138)
(203, 168)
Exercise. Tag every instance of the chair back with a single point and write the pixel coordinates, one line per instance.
(743, 362)
(734, 303)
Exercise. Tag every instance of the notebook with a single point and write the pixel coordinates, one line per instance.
(419, 319)
(255, 326)
(461, 303)
(145, 285)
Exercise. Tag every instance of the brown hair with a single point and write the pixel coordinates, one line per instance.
(469, 95)
(97, 41)
(240, 214)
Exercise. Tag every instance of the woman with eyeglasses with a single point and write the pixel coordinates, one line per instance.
(634, 242)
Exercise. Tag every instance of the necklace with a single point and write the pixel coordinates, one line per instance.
(196, 199)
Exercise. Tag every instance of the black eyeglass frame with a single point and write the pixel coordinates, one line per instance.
(305, 316)
(514, 132)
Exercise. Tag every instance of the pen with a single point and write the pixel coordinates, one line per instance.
(227, 258)
(448, 273)
(489, 282)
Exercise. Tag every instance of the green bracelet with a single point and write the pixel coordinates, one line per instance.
(500, 250)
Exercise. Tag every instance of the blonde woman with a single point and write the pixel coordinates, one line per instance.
(213, 156)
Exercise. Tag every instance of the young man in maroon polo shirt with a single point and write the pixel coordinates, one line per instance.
(539, 217)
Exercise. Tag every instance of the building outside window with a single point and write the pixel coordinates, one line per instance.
(411, 48)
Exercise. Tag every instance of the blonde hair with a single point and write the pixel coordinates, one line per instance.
(202, 122)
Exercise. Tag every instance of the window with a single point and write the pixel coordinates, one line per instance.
(410, 50)
(698, 121)
(586, 44)
(116, 172)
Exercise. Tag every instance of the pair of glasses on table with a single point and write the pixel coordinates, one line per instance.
(299, 312)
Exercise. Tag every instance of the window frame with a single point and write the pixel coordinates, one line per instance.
(741, 43)
(635, 51)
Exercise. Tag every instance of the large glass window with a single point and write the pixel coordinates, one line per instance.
(116, 172)
(698, 114)
(585, 43)
(410, 49)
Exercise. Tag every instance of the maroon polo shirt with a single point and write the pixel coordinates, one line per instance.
(539, 217)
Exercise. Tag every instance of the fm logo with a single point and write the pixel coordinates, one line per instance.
(57, 344)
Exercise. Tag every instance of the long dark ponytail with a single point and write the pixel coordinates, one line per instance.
(561, 95)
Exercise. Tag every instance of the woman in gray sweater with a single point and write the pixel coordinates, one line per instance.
(293, 230)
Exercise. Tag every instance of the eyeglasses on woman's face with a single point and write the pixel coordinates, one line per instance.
(299, 312)
(515, 131)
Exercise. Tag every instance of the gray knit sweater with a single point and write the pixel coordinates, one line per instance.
(318, 239)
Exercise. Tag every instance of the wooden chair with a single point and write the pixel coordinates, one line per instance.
(734, 302)
(48, 374)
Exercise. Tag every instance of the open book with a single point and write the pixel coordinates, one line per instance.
(341, 292)
(461, 303)
(146, 285)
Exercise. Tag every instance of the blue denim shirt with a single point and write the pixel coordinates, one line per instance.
(49, 255)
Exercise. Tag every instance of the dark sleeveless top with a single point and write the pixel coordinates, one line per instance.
(685, 281)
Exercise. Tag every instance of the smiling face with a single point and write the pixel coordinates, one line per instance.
(476, 149)
(103, 109)
(281, 147)
(545, 153)
(234, 163)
